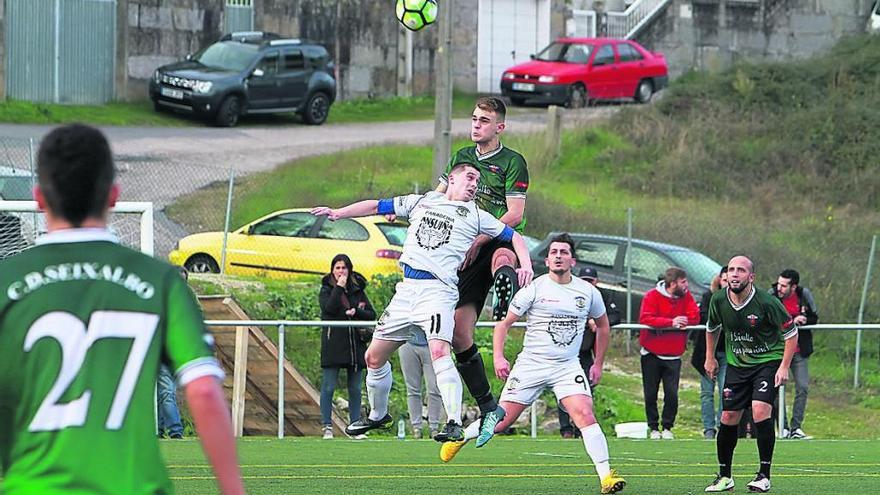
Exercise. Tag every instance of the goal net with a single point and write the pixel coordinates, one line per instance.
(21, 223)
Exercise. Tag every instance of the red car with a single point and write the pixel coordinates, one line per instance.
(575, 71)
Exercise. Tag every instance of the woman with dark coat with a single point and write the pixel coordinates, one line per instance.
(342, 297)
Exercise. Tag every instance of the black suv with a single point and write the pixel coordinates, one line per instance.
(649, 260)
(249, 73)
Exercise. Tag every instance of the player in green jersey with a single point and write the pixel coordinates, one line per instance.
(84, 325)
(504, 180)
(759, 340)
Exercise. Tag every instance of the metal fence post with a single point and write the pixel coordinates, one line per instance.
(629, 236)
(228, 219)
(534, 420)
(281, 381)
(781, 411)
(862, 310)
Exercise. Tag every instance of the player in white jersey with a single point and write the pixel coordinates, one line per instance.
(442, 228)
(558, 306)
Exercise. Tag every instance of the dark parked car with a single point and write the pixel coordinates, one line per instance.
(576, 71)
(249, 73)
(607, 254)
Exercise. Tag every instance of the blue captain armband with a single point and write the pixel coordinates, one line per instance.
(386, 206)
(506, 234)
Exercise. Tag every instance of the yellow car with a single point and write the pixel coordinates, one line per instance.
(288, 243)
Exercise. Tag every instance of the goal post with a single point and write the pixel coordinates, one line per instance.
(21, 222)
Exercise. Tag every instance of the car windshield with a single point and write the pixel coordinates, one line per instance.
(17, 188)
(574, 53)
(228, 55)
(394, 232)
(700, 268)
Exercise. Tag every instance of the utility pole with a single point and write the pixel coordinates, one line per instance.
(443, 92)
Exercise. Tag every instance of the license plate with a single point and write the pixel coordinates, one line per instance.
(172, 93)
(523, 87)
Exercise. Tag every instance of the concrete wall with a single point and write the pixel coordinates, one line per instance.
(713, 34)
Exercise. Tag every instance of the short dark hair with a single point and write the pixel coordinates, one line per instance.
(723, 270)
(75, 171)
(460, 165)
(674, 273)
(564, 238)
(493, 104)
(791, 275)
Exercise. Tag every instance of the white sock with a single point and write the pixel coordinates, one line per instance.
(449, 383)
(597, 448)
(472, 431)
(378, 389)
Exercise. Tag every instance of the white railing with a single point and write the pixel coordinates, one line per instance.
(239, 325)
(626, 24)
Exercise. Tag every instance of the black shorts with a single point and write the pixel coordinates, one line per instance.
(744, 385)
(475, 281)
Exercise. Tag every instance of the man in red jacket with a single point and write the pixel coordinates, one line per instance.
(669, 308)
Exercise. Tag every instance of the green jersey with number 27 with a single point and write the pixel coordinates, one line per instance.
(84, 324)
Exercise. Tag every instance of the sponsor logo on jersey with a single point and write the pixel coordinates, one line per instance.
(512, 383)
(580, 302)
(727, 393)
(753, 320)
(462, 211)
(494, 169)
(563, 330)
(521, 185)
(434, 231)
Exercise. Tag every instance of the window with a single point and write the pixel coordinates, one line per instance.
(344, 230)
(648, 264)
(700, 268)
(628, 53)
(578, 54)
(596, 253)
(287, 224)
(269, 64)
(293, 60)
(605, 56)
(394, 232)
(228, 55)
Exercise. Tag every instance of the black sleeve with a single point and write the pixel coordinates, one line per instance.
(330, 299)
(704, 307)
(611, 311)
(367, 312)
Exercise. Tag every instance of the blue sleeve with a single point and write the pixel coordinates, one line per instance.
(386, 206)
(506, 235)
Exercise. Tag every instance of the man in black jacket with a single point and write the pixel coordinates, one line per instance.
(586, 353)
(801, 306)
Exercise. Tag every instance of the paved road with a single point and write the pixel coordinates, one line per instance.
(161, 164)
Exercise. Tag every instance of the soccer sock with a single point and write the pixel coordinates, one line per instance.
(378, 388)
(473, 374)
(766, 442)
(472, 431)
(449, 384)
(597, 448)
(726, 443)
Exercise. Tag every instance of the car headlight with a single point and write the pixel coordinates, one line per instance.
(547, 79)
(508, 75)
(202, 86)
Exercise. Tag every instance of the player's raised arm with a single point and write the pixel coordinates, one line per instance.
(525, 271)
(499, 336)
(360, 209)
(214, 426)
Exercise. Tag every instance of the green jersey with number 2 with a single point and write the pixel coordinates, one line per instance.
(84, 324)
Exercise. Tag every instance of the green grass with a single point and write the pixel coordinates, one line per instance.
(142, 114)
(516, 465)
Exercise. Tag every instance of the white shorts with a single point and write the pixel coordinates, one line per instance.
(529, 378)
(419, 306)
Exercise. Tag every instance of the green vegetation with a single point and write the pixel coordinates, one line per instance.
(518, 465)
(141, 113)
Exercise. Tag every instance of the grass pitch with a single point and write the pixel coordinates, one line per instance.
(519, 465)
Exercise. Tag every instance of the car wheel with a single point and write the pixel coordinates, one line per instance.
(644, 91)
(316, 109)
(229, 111)
(577, 96)
(201, 263)
(517, 101)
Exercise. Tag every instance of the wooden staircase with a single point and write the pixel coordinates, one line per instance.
(252, 387)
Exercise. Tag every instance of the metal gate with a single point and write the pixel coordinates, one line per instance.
(60, 51)
(238, 16)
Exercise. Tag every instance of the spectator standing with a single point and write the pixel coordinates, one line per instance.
(587, 353)
(799, 303)
(415, 363)
(342, 297)
(711, 414)
(168, 414)
(668, 308)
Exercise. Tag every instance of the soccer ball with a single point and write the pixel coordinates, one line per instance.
(416, 14)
